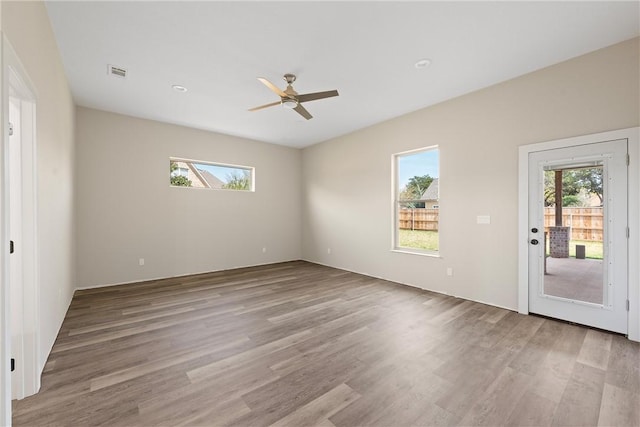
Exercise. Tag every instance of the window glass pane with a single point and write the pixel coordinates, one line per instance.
(417, 200)
(187, 173)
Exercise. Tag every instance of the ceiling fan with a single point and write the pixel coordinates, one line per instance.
(290, 98)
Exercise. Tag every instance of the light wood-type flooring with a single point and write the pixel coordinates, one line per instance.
(298, 344)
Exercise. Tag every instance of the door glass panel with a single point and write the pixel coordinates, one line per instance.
(574, 232)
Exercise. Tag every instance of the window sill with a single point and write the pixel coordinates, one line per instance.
(421, 253)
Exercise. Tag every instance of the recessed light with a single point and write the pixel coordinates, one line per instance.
(179, 88)
(423, 63)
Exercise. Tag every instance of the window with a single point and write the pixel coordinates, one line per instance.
(197, 174)
(178, 171)
(417, 201)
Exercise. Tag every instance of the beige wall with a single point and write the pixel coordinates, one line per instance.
(347, 181)
(127, 210)
(26, 26)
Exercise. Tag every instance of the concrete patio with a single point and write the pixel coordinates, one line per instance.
(577, 279)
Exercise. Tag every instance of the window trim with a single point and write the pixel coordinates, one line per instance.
(395, 204)
(251, 169)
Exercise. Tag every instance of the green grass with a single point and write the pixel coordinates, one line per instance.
(592, 249)
(418, 239)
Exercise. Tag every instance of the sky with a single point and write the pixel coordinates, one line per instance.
(220, 172)
(418, 164)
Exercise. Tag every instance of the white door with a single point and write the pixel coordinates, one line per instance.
(578, 268)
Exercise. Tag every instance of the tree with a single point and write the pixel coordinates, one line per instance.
(415, 187)
(590, 179)
(575, 183)
(178, 180)
(237, 180)
(572, 200)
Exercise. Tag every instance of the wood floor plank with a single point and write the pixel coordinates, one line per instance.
(555, 371)
(582, 398)
(416, 406)
(532, 410)
(320, 409)
(159, 364)
(619, 407)
(497, 402)
(624, 364)
(595, 349)
(531, 356)
(230, 384)
(302, 344)
(212, 369)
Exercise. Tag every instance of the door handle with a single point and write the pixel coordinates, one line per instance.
(534, 241)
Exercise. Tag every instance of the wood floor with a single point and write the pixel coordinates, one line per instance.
(298, 344)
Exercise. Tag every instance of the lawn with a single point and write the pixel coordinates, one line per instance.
(592, 249)
(418, 239)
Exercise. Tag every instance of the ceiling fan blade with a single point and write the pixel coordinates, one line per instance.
(317, 95)
(303, 112)
(273, 87)
(265, 106)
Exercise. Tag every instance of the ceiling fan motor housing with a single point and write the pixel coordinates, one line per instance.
(290, 98)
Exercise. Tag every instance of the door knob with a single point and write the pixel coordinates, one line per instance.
(534, 241)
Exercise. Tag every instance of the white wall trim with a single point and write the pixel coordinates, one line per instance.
(83, 288)
(409, 285)
(633, 137)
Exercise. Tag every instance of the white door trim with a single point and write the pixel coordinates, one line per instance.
(16, 83)
(633, 137)
(5, 351)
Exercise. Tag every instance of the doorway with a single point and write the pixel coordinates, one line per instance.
(19, 224)
(578, 248)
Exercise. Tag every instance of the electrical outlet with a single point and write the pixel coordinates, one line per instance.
(449, 271)
(329, 250)
(141, 261)
(264, 250)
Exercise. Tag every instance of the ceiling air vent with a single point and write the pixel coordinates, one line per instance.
(117, 71)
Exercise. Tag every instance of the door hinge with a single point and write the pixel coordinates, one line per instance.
(10, 129)
(628, 159)
(11, 246)
(628, 232)
(627, 305)
(13, 364)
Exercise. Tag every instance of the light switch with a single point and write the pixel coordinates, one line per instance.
(484, 219)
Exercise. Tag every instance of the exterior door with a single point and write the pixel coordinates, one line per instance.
(578, 264)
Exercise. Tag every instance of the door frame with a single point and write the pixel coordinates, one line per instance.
(632, 135)
(15, 79)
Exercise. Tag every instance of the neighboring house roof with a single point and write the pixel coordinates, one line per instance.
(211, 179)
(432, 192)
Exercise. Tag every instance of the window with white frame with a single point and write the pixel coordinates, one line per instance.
(417, 200)
(217, 176)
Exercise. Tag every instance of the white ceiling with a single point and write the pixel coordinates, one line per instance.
(365, 50)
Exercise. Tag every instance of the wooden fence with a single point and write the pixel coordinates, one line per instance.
(585, 223)
(418, 219)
